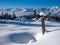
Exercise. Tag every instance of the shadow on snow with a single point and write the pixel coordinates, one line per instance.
(27, 24)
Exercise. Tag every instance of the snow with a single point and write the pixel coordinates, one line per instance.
(55, 11)
(29, 32)
(42, 13)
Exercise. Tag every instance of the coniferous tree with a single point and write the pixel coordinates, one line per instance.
(6, 16)
(10, 17)
(35, 12)
(14, 16)
(49, 16)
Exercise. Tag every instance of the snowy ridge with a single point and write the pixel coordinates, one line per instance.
(55, 11)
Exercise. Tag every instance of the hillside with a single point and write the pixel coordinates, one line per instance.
(29, 33)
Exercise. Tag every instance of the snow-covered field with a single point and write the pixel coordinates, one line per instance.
(16, 33)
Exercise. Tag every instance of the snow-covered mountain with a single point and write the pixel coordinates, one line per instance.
(55, 11)
(18, 11)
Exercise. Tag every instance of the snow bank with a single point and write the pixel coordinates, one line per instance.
(11, 34)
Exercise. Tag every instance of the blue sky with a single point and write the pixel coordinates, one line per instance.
(28, 3)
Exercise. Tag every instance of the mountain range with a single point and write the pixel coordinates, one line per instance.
(55, 11)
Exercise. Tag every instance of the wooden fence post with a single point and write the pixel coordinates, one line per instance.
(43, 25)
(42, 22)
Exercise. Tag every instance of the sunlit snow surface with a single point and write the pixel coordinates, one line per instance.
(16, 33)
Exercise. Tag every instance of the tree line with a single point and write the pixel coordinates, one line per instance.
(37, 16)
(8, 16)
